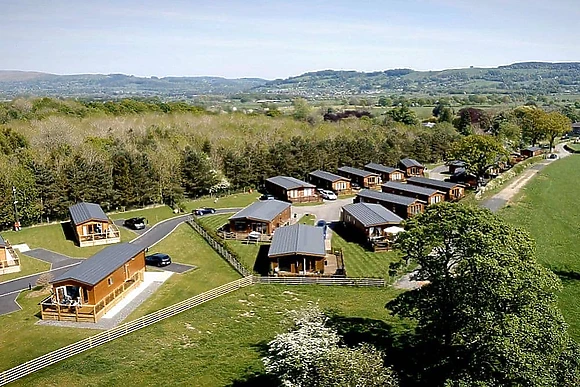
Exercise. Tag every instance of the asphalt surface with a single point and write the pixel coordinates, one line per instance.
(119, 223)
(329, 210)
(175, 267)
(9, 290)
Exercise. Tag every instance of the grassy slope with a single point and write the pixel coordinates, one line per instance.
(231, 201)
(211, 345)
(547, 209)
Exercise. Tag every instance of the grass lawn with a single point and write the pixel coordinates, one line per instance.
(547, 208)
(216, 344)
(231, 201)
(307, 219)
(52, 237)
(215, 221)
(28, 266)
(360, 262)
(574, 147)
(21, 340)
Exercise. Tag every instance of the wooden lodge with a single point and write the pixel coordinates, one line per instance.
(91, 225)
(365, 179)
(292, 190)
(89, 290)
(386, 173)
(260, 217)
(531, 151)
(412, 167)
(455, 165)
(330, 181)
(403, 206)
(9, 260)
(428, 195)
(372, 222)
(453, 191)
(300, 250)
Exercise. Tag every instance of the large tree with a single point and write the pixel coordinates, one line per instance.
(479, 152)
(488, 314)
(553, 125)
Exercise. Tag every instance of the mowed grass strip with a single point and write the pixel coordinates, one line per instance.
(214, 344)
(547, 208)
(360, 262)
(239, 200)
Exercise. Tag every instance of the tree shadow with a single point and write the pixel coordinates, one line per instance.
(262, 263)
(567, 275)
(258, 379)
(68, 231)
(348, 234)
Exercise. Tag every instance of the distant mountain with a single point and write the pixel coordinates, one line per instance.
(518, 78)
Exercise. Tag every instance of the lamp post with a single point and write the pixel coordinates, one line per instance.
(16, 218)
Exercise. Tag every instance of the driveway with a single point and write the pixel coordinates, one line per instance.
(120, 222)
(176, 267)
(439, 173)
(55, 259)
(329, 210)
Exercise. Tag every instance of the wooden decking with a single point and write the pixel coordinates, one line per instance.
(112, 235)
(12, 262)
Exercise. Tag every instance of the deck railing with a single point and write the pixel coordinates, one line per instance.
(15, 261)
(111, 234)
(104, 337)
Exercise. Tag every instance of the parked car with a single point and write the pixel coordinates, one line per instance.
(267, 197)
(135, 223)
(158, 259)
(321, 223)
(204, 211)
(355, 186)
(328, 195)
(552, 156)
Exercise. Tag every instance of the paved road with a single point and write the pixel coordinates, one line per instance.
(439, 173)
(499, 200)
(329, 210)
(120, 222)
(9, 290)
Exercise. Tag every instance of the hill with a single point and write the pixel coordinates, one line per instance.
(519, 78)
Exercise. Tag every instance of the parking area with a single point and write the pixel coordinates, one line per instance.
(175, 267)
(329, 210)
(120, 222)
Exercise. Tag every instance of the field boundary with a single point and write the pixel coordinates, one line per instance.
(328, 281)
(107, 336)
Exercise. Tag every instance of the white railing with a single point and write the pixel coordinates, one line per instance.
(104, 337)
(333, 281)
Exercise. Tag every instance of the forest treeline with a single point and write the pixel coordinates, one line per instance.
(134, 153)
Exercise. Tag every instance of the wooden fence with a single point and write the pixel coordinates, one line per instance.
(332, 281)
(104, 337)
(220, 249)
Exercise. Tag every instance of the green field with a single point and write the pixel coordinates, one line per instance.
(28, 266)
(216, 344)
(307, 219)
(574, 147)
(230, 201)
(547, 208)
(153, 215)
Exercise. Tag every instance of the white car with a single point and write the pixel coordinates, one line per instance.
(328, 195)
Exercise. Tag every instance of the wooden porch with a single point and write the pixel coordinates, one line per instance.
(73, 310)
(110, 235)
(10, 262)
(244, 236)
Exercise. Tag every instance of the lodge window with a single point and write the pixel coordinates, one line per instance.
(435, 199)
(110, 281)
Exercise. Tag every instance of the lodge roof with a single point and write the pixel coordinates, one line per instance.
(411, 188)
(411, 163)
(83, 212)
(327, 176)
(98, 267)
(370, 214)
(356, 171)
(380, 168)
(298, 239)
(438, 184)
(288, 182)
(265, 210)
(387, 197)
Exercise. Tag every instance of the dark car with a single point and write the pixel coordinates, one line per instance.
(158, 259)
(135, 223)
(204, 211)
(267, 197)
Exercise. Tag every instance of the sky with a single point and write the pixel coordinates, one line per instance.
(278, 39)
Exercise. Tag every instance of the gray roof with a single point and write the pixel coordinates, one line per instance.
(2, 242)
(98, 267)
(387, 197)
(576, 125)
(356, 171)
(440, 184)
(533, 148)
(328, 176)
(380, 168)
(457, 163)
(265, 210)
(82, 212)
(411, 163)
(411, 188)
(287, 182)
(298, 239)
(372, 214)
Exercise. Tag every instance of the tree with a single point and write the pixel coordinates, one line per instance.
(529, 118)
(553, 125)
(301, 109)
(198, 175)
(479, 152)
(488, 315)
(403, 114)
(311, 356)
